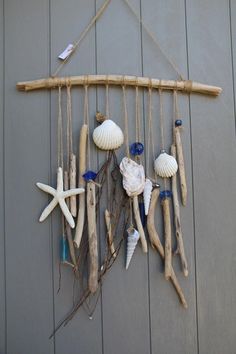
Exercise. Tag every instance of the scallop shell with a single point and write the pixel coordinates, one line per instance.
(147, 192)
(133, 177)
(165, 165)
(108, 136)
(133, 237)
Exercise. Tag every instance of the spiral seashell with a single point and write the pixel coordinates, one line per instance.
(147, 192)
(133, 237)
(133, 177)
(108, 136)
(165, 165)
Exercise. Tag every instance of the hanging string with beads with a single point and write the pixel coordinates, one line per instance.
(162, 126)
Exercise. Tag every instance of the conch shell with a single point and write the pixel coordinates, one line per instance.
(147, 195)
(133, 177)
(165, 165)
(108, 136)
(133, 237)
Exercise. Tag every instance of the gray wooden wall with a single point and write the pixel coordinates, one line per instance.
(138, 311)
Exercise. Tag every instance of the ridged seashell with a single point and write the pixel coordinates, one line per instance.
(165, 165)
(147, 192)
(133, 177)
(133, 237)
(108, 136)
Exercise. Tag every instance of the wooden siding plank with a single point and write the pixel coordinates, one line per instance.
(125, 300)
(2, 232)
(28, 245)
(214, 170)
(233, 49)
(81, 334)
(167, 316)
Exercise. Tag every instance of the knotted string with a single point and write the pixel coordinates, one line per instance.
(59, 132)
(69, 137)
(125, 113)
(150, 140)
(86, 121)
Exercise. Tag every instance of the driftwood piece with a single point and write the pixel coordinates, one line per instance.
(92, 238)
(180, 158)
(167, 235)
(82, 169)
(110, 233)
(139, 224)
(73, 184)
(184, 85)
(68, 228)
(178, 231)
(156, 243)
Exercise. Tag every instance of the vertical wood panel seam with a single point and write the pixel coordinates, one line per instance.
(97, 158)
(144, 135)
(4, 173)
(50, 166)
(232, 59)
(192, 172)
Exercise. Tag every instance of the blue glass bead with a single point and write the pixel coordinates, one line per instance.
(136, 148)
(142, 214)
(165, 194)
(64, 250)
(89, 176)
(178, 122)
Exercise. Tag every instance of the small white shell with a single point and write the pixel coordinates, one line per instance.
(165, 165)
(147, 195)
(108, 136)
(133, 237)
(133, 177)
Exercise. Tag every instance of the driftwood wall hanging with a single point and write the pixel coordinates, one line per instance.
(133, 187)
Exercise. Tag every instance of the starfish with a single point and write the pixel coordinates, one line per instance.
(59, 196)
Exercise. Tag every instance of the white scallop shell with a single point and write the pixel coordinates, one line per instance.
(108, 136)
(165, 165)
(133, 237)
(147, 192)
(133, 177)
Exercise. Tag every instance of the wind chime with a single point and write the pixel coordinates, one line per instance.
(132, 186)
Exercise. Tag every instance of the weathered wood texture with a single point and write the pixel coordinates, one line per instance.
(138, 311)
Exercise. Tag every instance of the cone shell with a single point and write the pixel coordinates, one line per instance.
(133, 177)
(165, 165)
(108, 136)
(133, 237)
(147, 192)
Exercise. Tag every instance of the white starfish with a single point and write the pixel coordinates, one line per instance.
(59, 196)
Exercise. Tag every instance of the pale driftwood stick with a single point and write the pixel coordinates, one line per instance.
(180, 158)
(178, 231)
(110, 233)
(139, 224)
(185, 85)
(73, 184)
(92, 238)
(82, 169)
(68, 228)
(167, 234)
(156, 243)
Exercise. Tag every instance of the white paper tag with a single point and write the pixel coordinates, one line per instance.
(66, 53)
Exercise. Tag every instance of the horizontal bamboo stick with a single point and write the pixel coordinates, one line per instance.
(185, 85)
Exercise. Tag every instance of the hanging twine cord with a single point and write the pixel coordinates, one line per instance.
(137, 115)
(151, 35)
(59, 132)
(77, 43)
(107, 102)
(150, 140)
(161, 119)
(125, 113)
(69, 127)
(86, 121)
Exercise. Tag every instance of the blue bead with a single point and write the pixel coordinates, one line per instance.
(178, 122)
(136, 148)
(89, 176)
(64, 250)
(165, 194)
